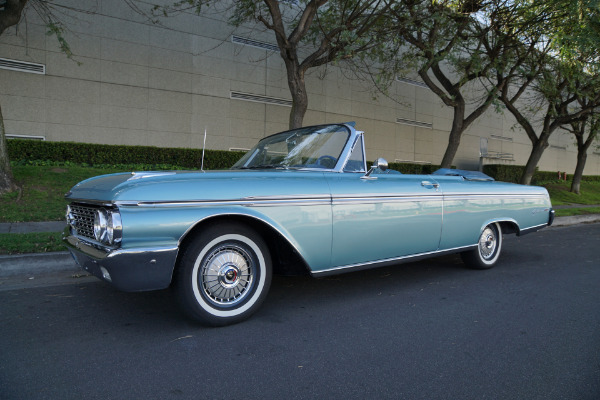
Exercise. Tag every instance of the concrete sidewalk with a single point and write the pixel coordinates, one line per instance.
(45, 263)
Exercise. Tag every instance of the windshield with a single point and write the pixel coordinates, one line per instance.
(311, 147)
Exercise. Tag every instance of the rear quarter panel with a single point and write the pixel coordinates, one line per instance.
(471, 205)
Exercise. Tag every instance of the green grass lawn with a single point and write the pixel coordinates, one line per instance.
(23, 243)
(43, 191)
(44, 187)
(566, 212)
(560, 195)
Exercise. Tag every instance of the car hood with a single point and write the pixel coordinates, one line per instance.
(173, 186)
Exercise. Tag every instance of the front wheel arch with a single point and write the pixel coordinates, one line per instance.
(287, 260)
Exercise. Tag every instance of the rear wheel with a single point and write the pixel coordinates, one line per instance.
(488, 248)
(224, 275)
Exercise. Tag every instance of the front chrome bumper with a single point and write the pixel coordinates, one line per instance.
(551, 217)
(130, 270)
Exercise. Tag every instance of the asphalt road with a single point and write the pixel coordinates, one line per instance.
(527, 329)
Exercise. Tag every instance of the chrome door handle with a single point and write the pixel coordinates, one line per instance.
(427, 183)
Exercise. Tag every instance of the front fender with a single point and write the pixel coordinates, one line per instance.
(306, 228)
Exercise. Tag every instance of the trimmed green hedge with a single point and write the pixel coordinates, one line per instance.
(419, 169)
(504, 173)
(104, 154)
(513, 173)
(26, 151)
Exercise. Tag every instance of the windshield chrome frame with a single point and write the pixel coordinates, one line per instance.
(353, 136)
(345, 155)
(359, 140)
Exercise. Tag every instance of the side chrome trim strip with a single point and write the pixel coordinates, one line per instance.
(310, 200)
(384, 195)
(246, 203)
(491, 196)
(389, 261)
(384, 199)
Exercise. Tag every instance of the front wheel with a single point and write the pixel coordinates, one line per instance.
(488, 248)
(224, 275)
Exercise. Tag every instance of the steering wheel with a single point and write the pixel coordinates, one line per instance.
(327, 161)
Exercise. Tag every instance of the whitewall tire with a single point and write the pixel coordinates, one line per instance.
(224, 275)
(488, 248)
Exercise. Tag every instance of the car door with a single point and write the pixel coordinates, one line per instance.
(386, 217)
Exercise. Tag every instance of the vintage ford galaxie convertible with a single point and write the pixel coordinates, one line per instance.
(301, 200)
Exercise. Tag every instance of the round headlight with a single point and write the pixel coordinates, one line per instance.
(100, 225)
(107, 226)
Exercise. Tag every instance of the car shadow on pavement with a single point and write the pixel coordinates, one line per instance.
(96, 304)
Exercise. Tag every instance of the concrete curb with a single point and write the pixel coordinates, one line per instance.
(36, 264)
(576, 219)
(45, 263)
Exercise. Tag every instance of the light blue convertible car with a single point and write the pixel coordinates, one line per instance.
(299, 201)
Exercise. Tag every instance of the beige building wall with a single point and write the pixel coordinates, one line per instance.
(137, 83)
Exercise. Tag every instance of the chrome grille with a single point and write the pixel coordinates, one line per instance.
(81, 219)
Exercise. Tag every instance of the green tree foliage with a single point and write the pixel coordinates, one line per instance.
(456, 47)
(438, 33)
(543, 93)
(309, 33)
(578, 45)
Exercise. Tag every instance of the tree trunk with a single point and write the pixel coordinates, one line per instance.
(10, 13)
(299, 107)
(455, 134)
(582, 149)
(534, 158)
(299, 98)
(7, 182)
(581, 159)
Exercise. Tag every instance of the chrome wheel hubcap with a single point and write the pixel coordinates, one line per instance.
(227, 275)
(487, 243)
